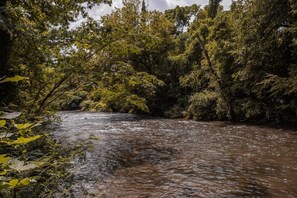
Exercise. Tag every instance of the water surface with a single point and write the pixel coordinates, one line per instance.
(135, 156)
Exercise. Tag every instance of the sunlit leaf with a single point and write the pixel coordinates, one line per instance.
(25, 182)
(2, 173)
(13, 183)
(2, 123)
(41, 162)
(16, 78)
(4, 159)
(23, 126)
(23, 140)
(38, 163)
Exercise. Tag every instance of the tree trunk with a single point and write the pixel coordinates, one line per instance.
(227, 101)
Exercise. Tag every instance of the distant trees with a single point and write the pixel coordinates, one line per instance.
(204, 63)
(266, 55)
(126, 73)
(251, 49)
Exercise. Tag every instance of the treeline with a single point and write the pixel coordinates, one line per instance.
(244, 65)
(201, 63)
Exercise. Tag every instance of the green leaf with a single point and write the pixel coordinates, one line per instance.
(23, 140)
(3, 173)
(38, 163)
(4, 185)
(25, 182)
(4, 159)
(16, 78)
(2, 123)
(23, 126)
(13, 183)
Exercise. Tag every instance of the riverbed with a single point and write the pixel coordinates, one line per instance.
(137, 156)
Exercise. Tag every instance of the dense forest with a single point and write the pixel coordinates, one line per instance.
(192, 62)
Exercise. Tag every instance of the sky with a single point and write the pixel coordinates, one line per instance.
(159, 5)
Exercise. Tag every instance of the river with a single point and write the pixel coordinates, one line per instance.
(136, 156)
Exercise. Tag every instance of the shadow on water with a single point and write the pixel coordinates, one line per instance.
(250, 189)
(134, 152)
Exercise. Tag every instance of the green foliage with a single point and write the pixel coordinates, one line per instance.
(240, 63)
(182, 16)
(41, 53)
(247, 62)
(8, 165)
(203, 63)
(209, 76)
(126, 73)
(16, 78)
(265, 52)
(4, 159)
(30, 162)
(22, 140)
(18, 140)
(213, 8)
(41, 46)
(202, 105)
(124, 89)
(2, 123)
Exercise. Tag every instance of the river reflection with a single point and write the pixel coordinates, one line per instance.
(134, 156)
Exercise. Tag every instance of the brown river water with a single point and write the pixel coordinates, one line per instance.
(135, 156)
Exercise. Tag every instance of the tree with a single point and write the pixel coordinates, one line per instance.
(213, 8)
(131, 65)
(266, 54)
(182, 17)
(40, 45)
(214, 65)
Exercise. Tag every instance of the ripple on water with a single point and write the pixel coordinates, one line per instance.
(137, 156)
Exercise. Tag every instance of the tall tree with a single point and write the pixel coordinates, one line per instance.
(143, 6)
(213, 7)
(266, 53)
(214, 90)
(127, 72)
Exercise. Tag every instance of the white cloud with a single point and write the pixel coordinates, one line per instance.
(117, 3)
(98, 11)
(162, 5)
(174, 3)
